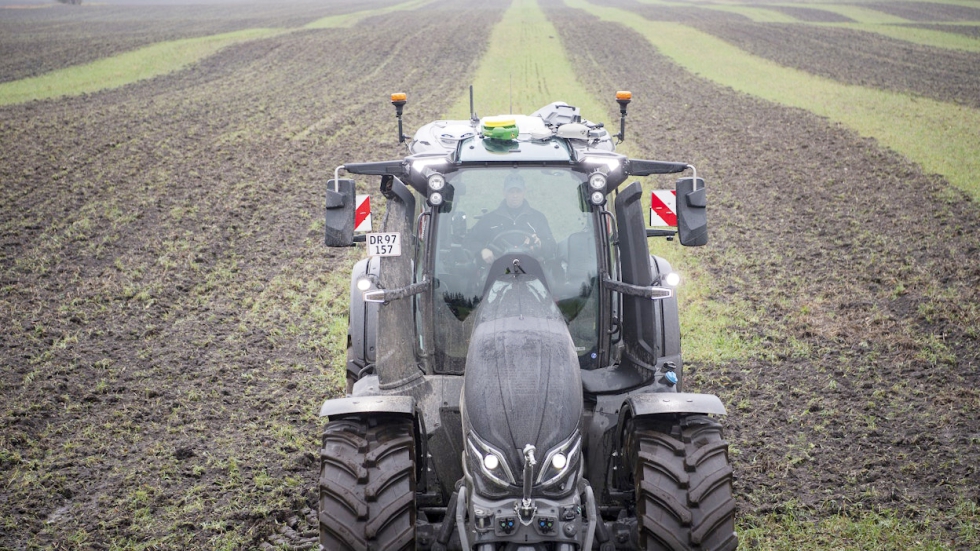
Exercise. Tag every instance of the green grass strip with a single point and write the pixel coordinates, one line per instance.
(758, 15)
(755, 13)
(861, 14)
(526, 68)
(122, 69)
(941, 137)
(348, 20)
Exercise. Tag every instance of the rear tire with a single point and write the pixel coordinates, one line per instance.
(683, 483)
(367, 484)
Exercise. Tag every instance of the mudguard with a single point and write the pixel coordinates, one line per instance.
(658, 403)
(404, 405)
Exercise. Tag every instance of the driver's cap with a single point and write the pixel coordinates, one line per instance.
(513, 181)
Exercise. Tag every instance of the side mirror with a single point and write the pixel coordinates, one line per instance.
(692, 212)
(340, 204)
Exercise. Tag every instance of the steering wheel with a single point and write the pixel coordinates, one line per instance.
(511, 240)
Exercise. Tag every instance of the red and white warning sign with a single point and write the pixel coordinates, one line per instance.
(362, 213)
(663, 208)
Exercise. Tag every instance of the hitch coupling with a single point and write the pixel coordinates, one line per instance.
(525, 508)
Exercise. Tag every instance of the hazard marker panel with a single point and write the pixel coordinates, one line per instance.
(362, 213)
(663, 208)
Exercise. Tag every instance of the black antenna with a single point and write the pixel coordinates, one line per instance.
(473, 116)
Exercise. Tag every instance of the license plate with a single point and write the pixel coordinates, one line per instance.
(384, 244)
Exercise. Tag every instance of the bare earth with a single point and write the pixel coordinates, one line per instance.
(171, 322)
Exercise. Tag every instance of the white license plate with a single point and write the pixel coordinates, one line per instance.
(384, 244)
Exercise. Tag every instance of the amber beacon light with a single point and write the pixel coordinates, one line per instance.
(623, 98)
(399, 99)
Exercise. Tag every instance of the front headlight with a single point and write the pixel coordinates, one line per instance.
(492, 463)
(560, 461)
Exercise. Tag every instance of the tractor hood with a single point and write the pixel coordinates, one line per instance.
(522, 381)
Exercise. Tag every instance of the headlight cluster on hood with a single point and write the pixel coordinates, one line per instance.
(558, 463)
(492, 463)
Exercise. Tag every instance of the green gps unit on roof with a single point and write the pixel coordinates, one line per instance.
(500, 128)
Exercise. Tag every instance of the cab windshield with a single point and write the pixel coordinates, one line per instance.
(494, 211)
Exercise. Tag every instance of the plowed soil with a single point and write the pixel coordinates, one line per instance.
(170, 315)
(171, 321)
(871, 59)
(968, 30)
(927, 11)
(861, 278)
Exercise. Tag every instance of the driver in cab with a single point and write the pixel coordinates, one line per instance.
(512, 225)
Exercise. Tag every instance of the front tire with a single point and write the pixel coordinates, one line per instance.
(367, 484)
(683, 483)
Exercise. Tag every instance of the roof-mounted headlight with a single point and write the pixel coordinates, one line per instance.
(610, 163)
(419, 165)
(597, 198)
(597, 181)
(436, 182)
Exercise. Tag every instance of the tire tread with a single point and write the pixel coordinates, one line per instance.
(367, 485)
(683, 481)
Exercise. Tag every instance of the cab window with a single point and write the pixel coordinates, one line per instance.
(536, 211)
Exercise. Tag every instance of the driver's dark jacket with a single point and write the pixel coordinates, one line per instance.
(503, 218)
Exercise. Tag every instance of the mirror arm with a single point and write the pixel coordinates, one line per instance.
(653, 293)
(388, 295)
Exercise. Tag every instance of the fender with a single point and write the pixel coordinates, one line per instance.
(402, 406)
(339, 407)
(659, 403)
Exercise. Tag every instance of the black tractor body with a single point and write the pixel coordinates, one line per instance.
(515, 380)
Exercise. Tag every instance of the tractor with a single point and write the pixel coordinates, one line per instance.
(514, 370)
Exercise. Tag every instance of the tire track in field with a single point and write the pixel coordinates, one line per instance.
(862, 393)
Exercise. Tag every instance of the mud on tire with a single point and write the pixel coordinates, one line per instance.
(683, 482)
(367, 484)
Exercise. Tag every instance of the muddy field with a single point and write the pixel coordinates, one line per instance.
(972, 31)
(927, 11)
(172, 322)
